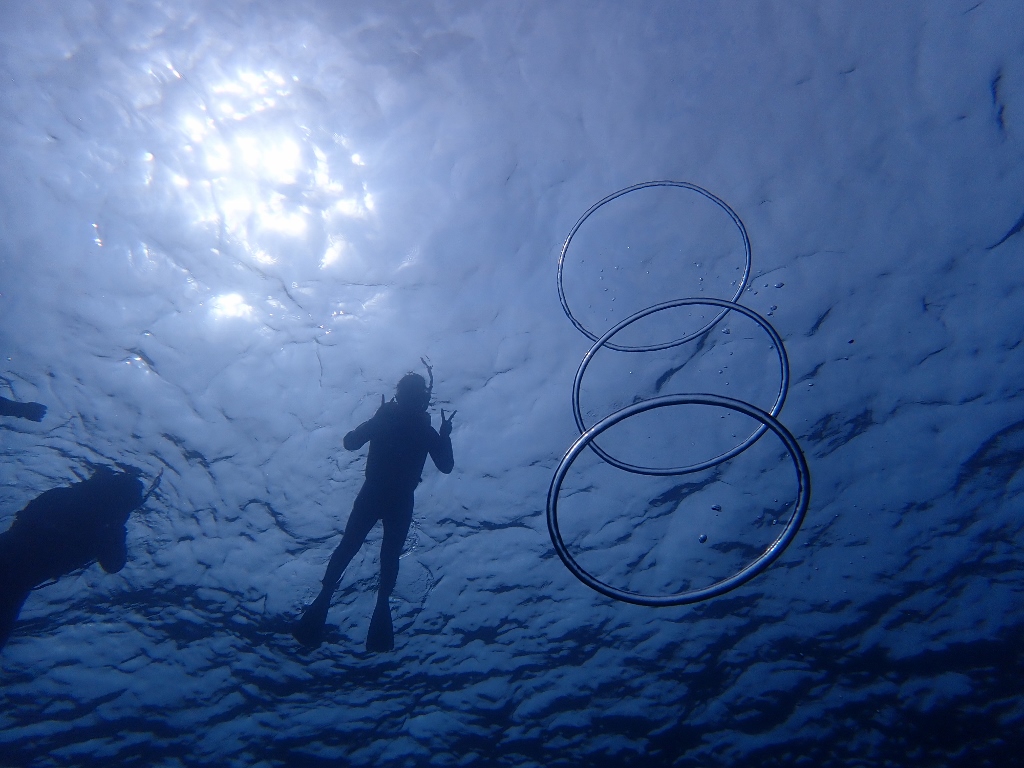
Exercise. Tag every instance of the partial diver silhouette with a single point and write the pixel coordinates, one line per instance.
(400, 437)
(30, 411)
(62, 530)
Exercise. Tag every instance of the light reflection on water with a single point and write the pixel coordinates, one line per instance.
(250, 169)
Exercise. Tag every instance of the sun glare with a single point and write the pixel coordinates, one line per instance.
(230, 305)
(254, 170)
(333, 253)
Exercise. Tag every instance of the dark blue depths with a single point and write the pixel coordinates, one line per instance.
(855, 705)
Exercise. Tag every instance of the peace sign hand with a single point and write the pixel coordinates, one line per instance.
(446, 424)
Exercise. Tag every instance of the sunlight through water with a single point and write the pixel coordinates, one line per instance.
(243, 161)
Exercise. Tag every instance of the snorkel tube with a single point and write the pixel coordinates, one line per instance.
(430, 375)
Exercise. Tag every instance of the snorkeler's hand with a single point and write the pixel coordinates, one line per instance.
(446, 424)
(32, 411)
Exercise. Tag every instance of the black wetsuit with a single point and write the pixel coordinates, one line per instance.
(400, 438)
(62, 530)
(400, 441)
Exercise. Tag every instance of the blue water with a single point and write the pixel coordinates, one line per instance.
(227, 229)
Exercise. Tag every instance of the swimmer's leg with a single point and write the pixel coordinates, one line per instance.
(309, 630)
(11, 600)
(381, 636)
(15, 585)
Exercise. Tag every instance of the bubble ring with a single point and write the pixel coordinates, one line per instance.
(747, 442)
(719, 587)
(644, 185)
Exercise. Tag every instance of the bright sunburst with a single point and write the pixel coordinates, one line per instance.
(258, 176)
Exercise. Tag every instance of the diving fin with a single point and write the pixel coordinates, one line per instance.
(309, 630)
(381, 636)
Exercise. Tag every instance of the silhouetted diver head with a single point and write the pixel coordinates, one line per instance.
(412, 392)
(120, 493)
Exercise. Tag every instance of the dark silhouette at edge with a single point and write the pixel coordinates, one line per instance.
(62, 530)
(30, 411)
(401, 438)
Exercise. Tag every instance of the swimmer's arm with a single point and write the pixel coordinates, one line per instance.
(30, 411)
(441, 445)
(358, 437)
(112, 552)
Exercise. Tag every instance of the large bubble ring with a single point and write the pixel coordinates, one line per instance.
(746, 573)
(768, 421)
(780, 351)
(645, 185)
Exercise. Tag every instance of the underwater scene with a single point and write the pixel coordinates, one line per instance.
(512, 383)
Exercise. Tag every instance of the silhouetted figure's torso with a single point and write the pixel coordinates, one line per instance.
(62, 530)
(400, 440)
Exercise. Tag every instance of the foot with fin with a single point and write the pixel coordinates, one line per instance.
(381, 636)
(309, 630)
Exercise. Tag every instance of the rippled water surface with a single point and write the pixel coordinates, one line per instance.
(226, 229)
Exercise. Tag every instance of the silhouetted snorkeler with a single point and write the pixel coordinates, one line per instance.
(400, 438)
(30, 411)
(62, 530)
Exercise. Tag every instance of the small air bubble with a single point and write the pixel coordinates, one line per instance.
(778, 285)
(716, 507)
(702, 538)
(726, 330)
